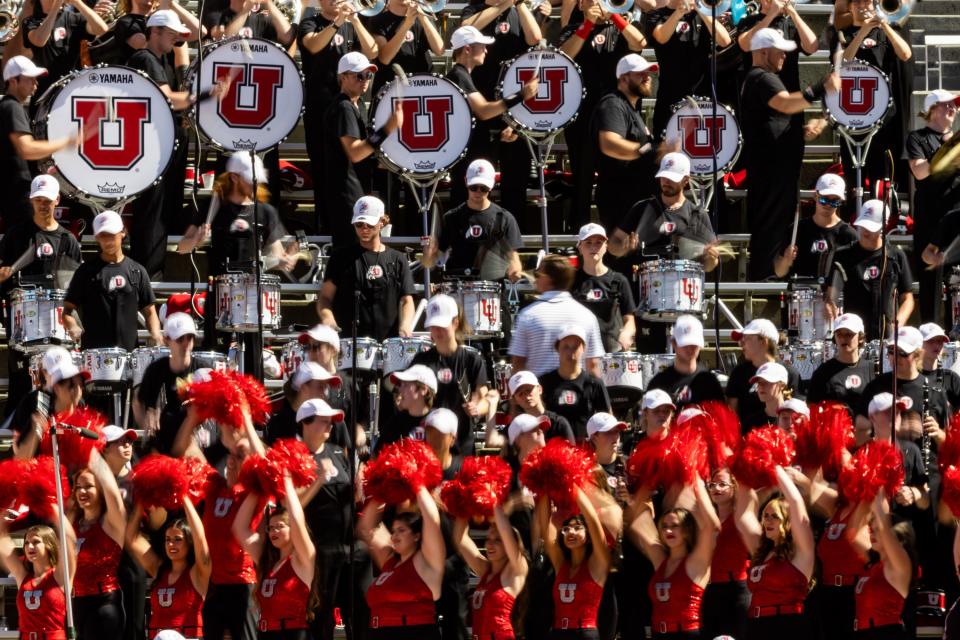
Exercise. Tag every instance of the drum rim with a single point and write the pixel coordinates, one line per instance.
(676, 106)
(38, 292)
(471, 285)
(659, 261)
(508, 117)
(860, 131)
(265, 278)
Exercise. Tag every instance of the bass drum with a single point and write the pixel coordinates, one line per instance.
(265, 99)
(864, 99)
(558, 99)
(436, 126)
(700, 135)
(125, 127)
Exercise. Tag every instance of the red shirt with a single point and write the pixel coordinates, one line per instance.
(177, 606)
(231, 564)
(41, 606)
(676, 600)
(400, 597)
(776, 583)
(283, 598)
(492, 606)
(731, 558)
(878, 603)
(575, 599)
(98, 557)
(841, 561)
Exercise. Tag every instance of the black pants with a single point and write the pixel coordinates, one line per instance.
(452, 605)
(98, 616)
(930, 300)
(414, 632)
(574, 634)
(18, 379)
(577, 137)
(724, 609)
(886, 632)
(313, 137)
(787, 627)
(133, 585)
(515, 163)
(837, 611)
(227, 608)
(772, 199)
(607, 612)
(16, 209)
(678, 635)
(539, 586)
(333, 566)
(286, 634)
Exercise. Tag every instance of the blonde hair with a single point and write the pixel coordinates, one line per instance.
(223, 187)
(49, 539)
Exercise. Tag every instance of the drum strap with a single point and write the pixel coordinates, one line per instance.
(495, 236)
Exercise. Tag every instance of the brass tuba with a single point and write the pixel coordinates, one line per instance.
(9, 19)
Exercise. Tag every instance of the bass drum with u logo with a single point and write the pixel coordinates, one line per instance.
(701, 134)
(864, 99)
(558, 98)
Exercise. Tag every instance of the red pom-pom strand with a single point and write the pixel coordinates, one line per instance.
(558, 470)
(399, 470)
(482, 484)
(761, 452)
(876, 465)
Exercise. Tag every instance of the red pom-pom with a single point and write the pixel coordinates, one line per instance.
(75, 449)
(723, 432)
(482, 484)
(821, 440)
(293, 456)
(12, 471)
(257, 399)
(557, 470)
(950, 489)
(691, 455)
(875, 465)
(399, 470)
(199, 476)
(949, 452)
(648, 462)
(762, 450)
(227, 397)
(258, 475)
(160, 481)
(38, 488)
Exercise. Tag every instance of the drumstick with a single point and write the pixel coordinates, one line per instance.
(214, 207)
(23, 260)
(541, 46)
(796, 223)
(402, 80)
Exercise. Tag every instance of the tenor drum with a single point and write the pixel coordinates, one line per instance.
(701, 134)
(210, 360)
(480, 301)
(864, 99)
(436, 125)
(291, 357)
(558, 99)
(654, 363)
(805, 357)
(35, 366)
(142, 358)
(805, 312)
(502, 371)
(670, 288)
(36, 318)
(237, 302)
(125, 127)
(623, 369)
(108, 365)
(368, 355)
(950, 357)
(398, 353)
(875, 350)
(264, 101)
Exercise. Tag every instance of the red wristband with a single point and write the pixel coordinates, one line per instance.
(618, 21)
(585, 29)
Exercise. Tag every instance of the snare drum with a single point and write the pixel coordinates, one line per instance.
(368, 355)
(950, 357)
(876, 349)
(502, 371)
(210, 360)
(654, 363)
(237, 302)
(669, 289)
(397, 353)
(700, 136)
(265, 99)
(125, 126)
(558, 98)
(291, 357)
(480, 301)
(110, 365)
(36, 318)
(864, 99)
(623, 369)
(142, 358)
(437, 122)
(805, 357)
(36, 363)
(805, 310)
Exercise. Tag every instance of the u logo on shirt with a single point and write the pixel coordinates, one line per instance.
(477, 600)
(568, 592)
(382, 578)
(31, 599)
(222, 507)
(834, 531)
(165, 596)
(756, 573)
(662, 589)
(266, 589)
(116, 282)
(861, 583)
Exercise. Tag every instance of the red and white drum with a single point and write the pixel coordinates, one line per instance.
(700, 134)
(265, 98)
(125, 127)
(669, 289)
(36, 318)
(237, 302)
(558, 99)
(480, 301)
(436, 125)
(863, 101)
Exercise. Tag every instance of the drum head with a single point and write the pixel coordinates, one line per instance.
(863, 100)
(126, 130)
(559, 95)
(436, 125)
(693, 125)
(264, 101)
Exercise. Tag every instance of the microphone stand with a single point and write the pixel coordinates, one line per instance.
(257, 361)
(357, 294)
(61, 517)
(714, 204)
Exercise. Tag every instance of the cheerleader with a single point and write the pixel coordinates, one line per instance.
(783, 557)
(503, 573)
(681, 550)
(41, 604)
(180, 578)
(410, 558)
(581, 558)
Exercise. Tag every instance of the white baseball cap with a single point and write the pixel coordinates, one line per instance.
(796, 405)
(520, 379)
(634, 62)
(22, 66)
(321, 333)
(525, 423)
(758, 327)
(688, 331)
(933, 331)
(938, 96)
(871, 216)
(169, 19)
(178, 325)
(603, 422)
(591, 229)
(354, 62)
(656, 398)
(481, 172)
(909, 340)
(689, 413)
(442, 310)
(443, 420)
(318, 407)
(674, 167)
(310, 370)
(830, 184)
(850, 322)
(770, 38)
(368, 210)
(468, 35)
(883, 401)
(45, 186)
(107, 222)
(169, 634)
(53, 356)
(64, 370)
(112, 433)
(417, 373)
(571, 330)
(239, 163)
(771, 372)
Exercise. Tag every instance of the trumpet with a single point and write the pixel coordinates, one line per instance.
(706, 7)
(9, 19)
(370, 8)
(618, 7)
(893, 11)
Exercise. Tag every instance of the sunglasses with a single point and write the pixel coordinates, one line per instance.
(826, 201)
(718, 485)
(363, 225)
(478, 187)
(363, 76)
(314, 346)
(900, 354)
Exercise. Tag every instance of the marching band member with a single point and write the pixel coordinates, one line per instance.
(783, 17)
(603, 434)
(758, 341)
(526, 397)
(130, 29)
(607, 293)
(770, 382)
(844, 377)
(726, 599)
(381, 275)
(687, 380)
(934, 341)
(405, 35)
(656, 413)
(310, 381)
(251, 20)
(414, 391)
(54, 33)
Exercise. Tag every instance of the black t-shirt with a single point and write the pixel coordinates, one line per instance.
(937, 405)
(948, 381)
(767, 133)
(598, 59)
(688, 388)
(283, 423)
(816, 246)
(401, 425)
(49, 249)
(232, 234)
(658, 229)
(509, 42)
(344, 180)
(862, 291)
(108, 297)
(559, 427)
(466, 365)
(382, 278)
(21, 422)
(15, 173)
(790, 72)
(835, 380)
(683, 59)
(629, 180)
(609, 297)
(157, 68)
(459, 76)
(933, 195)
(478, 238)
(127, 26)
(159, 386)
(328, 514)
(413, 55)
(61, 54)
(257, 25)
(576, 400)
(320, 69)
(740, 388)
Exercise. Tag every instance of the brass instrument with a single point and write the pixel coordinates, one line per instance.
(893, 11)
(946, 161)
(9, 19)
(618, 7)
(924, 437)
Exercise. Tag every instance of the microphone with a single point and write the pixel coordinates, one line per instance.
(82, 431)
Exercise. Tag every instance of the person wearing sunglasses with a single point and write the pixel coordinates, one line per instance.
(818, 236)
(935, 364)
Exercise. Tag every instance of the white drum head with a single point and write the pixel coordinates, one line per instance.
(863, 100)
(436, 125)
(126, 130)
(559, 95)
(699, 135)
(264, 101)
